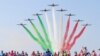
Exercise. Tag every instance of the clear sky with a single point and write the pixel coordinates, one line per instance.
(13, 12)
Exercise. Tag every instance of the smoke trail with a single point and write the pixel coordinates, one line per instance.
(73, 32)
(49, 28)
(34, 38)
(76, 37)
(44, 30)
(38, 34)
(55, 29)
(66, 33)
(67, 28)
(60, 40)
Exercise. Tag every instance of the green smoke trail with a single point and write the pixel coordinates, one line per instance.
(44, 30)
(34, 38)
(39, 35)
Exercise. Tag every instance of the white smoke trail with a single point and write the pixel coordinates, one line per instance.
(55, 30)
(49, 27)
(60, 30)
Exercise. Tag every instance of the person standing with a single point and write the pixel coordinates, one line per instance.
(33, 53)
(48, 53)
(55, 54)
(93, 53)
(38, 53)
(75, 53)
(2, 53)
(81, 53)
(99, 52)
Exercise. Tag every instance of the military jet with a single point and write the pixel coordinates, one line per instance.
(37, 14)
(29, 19)
(86, 24)
(21, 24)
(61, 10)
(78, 20)
(70, 14)
(45, 10)
(53, 5)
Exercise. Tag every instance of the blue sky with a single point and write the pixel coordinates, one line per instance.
(13, 12)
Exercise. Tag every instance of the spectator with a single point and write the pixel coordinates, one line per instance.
(81, 53)
(85, 51)
(26, 54)
(22, 54)
(9, 54)
(18, 54)
(33, 54)
(68, 53)
(41, 54)
(12, 53)
(15, 53)
(6, 54)
(38, 53)
(48, 53)
(93, 53)
(2, 53)
(64, 53)
(55, 54)
(60, 53)
(88, 54)
(99, 53)
(75, 53)
(44, 54)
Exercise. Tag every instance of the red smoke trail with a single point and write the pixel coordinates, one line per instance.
(66, 34)
(73, 32)
(76, 37)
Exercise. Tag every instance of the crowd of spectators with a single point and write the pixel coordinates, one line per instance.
(82, 52)
(13, 53)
